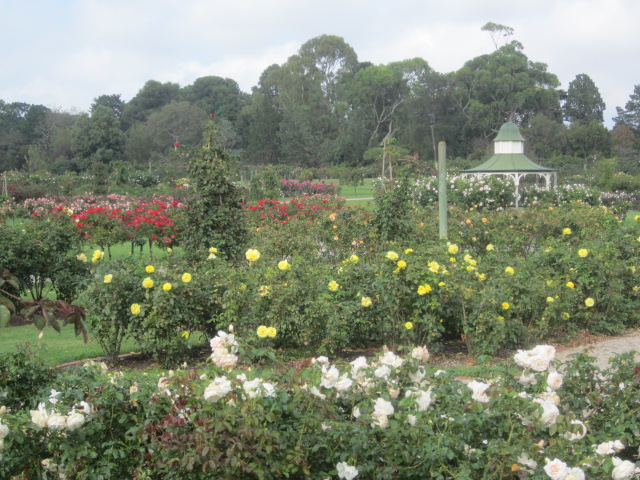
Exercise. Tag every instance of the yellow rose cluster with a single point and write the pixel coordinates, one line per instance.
(266, 332)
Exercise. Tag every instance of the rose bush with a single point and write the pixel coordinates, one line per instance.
(384, 417)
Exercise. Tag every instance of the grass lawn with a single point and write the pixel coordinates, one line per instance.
(54, 347)
(630, 217)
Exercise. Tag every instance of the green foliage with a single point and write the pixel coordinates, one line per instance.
(22, 377)
(391, 212)
(108, 306)
(41, 254)
(386, 416)
(265, 184)
(215, 215)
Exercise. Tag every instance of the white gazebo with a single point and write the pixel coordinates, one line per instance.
(509, 160)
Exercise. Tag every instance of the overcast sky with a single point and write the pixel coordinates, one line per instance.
(64, 53)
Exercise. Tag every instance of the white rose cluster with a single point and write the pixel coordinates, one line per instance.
(224, 347)
(217, 389)
(346, 471)
(57, 422)
(538, 359)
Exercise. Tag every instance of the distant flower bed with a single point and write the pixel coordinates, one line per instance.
(294, 188)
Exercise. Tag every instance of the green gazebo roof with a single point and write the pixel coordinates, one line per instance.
(509, 132)
(509, 162)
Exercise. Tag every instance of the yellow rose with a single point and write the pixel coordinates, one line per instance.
(505, 305)
(481, 276)
(284, 265)
(97, 255)
(354, 258)
(509, 270)
(366, 301)
(108, 278)
(185, 335)
(408, 325)
(401, 264)
(186, 277)
(570, 285)
(271, 332)
(490, 247)
(333, 286)
(213, 250)
(167, 286)
(135, 308)
(433, 266)
(408, 251)
(549, 299)
(393, 256)
(169, 249)
(82, 257)
(147, 283)
(424, 289)
(149, 269)
(264, 290)
(583, 252)
(252, 255)
(589, 302)
(566, 231)
(452, 249)
(262, 331)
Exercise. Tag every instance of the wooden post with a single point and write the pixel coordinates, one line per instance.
(442, 188)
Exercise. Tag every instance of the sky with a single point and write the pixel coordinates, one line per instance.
(65, 53)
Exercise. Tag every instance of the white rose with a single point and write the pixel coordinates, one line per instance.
(4, 431)
(383, 406)
(40, 416)
(380, 420)
(394, 392)
(554, 380)
(391, 359)
(526, 461)
(545, 351)
(623, 470)
(75, 421)
(217, 389)
(52, 398)
(412, 419)
(56, 421)
(329, 376)
(420, 354)
(556, 469)
(479, 391)
(617, 445)
(575, 474)
(321, 360)
(358, 363)
(605, 448)
(346, 471)
(529, 379)
(538, 363)
(269, 389)
(382, 372)
(549, 412)
(417, 376)
(252, 388)
(314, 391)
(356, 412)
(582, 431)
(423, 400)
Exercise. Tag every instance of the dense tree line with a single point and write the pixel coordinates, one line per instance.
(325, 107)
